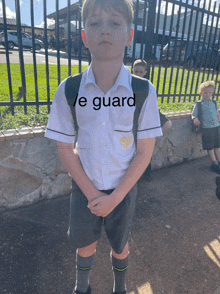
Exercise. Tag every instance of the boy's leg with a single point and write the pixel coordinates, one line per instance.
(88, 250)
(215, 165)
(120, 264)
(211, 155)
(217, 144)
(217, 153)
(84, 261)
(84, 231)
(118, 230)
(210, 141)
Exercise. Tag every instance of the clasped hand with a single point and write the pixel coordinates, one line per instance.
(102, 205)
(196, 122)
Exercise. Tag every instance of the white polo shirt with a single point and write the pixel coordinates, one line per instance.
(105, 140)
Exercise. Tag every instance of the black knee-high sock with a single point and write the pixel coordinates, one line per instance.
(119, 270)
(83, 267)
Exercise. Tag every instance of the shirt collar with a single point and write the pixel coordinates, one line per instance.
(207, 101)
(123, 79)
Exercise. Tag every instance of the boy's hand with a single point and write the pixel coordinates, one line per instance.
(102, 206)
(196, 122)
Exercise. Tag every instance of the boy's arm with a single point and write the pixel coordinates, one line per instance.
(71, 160)
(104, 205)
(195, 115)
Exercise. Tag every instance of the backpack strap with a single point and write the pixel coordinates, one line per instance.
(140, 89)
(71, 92)
(199, 105)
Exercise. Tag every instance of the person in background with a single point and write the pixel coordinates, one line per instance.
(210, 124)
(140, 69)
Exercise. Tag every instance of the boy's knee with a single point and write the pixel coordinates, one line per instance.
(88, 250)
(124, 253)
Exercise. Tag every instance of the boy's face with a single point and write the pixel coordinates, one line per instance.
(207, 93)
(139, 70)
(106, 34)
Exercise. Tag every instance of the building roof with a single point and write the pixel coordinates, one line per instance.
(74, 8)
(10, 21)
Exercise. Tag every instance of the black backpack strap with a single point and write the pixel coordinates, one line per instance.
(199, 105)
(140, 89)
(71, 92)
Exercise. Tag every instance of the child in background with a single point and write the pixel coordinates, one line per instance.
(140, 69)
(210, 124)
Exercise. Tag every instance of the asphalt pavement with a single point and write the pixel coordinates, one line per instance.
(175, 245)
(40, 57)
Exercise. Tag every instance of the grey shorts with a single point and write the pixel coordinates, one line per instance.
(85, 227)
(210, 138)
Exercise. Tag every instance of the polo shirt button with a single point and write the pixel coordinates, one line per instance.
(104, 123)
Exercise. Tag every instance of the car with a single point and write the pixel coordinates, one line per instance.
(174, 50)
(26, 40)
(192, 53)
(203, 55)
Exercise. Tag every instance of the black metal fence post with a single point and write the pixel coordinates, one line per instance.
(34, 54)
(58, 40)
(46, 54)
(21, 58)
(80, 37)
(69, 37)
(150, 33)
(7, 57)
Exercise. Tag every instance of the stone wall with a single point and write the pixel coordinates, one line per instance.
(178, 144)
(31, 170)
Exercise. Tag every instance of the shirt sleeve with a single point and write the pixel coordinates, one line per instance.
(195, 111)
(149, 120)
(60, 126)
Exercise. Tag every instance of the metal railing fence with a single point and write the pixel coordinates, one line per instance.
(178, 39)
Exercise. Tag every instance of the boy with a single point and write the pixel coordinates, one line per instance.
(140, 69)
(210, 124)
(106, 164)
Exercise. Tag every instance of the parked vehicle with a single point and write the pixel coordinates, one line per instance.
(180, 49)
(13, 40)
(203, 56)
(193, 53)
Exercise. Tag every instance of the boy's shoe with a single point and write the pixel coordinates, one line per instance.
(79, 292)
(217, 191)
(122, 292)
(215, 168)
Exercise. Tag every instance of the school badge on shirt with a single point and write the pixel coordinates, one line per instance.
(125, 141)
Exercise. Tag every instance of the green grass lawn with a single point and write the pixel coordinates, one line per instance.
(178, 77)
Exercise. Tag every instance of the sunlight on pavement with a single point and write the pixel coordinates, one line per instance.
(144, 289)
(213, 251)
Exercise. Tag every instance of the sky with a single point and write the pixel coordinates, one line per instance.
(38, 9)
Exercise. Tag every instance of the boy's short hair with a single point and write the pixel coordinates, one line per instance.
(125, 7)
(206, 85)
(140, 62)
